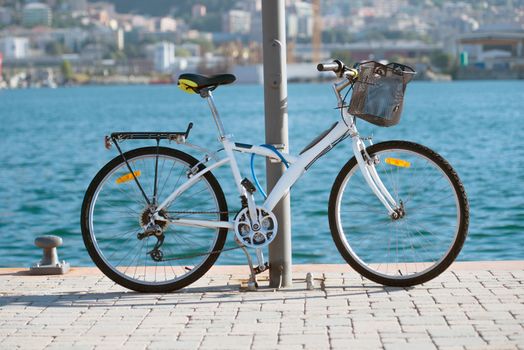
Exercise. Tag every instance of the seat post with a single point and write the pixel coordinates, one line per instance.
(206, 93)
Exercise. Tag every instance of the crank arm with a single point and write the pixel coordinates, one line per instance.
(262, 265)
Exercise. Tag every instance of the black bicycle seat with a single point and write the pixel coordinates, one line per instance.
(189, 82)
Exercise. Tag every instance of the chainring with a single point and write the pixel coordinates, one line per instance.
(252, 236)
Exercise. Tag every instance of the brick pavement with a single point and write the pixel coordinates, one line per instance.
(471, 306)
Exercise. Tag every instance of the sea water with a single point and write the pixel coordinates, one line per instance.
(51, 143)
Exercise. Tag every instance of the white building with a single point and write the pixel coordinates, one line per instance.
(198, 10)
(236, 21)
(166, 24)
(36, 14)
(164, 56)
(14, 47)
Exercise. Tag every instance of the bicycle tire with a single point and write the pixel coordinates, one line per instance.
(353, 248)
(102, 259)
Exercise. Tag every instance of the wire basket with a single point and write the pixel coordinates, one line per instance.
(378, 93)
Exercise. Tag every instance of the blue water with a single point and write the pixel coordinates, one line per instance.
(51, 145)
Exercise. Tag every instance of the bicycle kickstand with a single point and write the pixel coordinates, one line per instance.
(262, 266)
(252, 284)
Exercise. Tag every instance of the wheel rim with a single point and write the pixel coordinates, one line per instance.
(116, 242)
(413, 245)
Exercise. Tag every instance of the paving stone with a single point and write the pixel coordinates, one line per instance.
(461, 309)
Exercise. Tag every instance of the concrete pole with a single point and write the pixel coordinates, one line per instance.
(275, 107)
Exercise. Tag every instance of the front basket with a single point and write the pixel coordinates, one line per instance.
(378, 93)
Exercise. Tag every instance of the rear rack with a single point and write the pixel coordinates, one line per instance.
(177, 136)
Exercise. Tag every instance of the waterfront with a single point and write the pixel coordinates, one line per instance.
(52, 146)
(470, 306)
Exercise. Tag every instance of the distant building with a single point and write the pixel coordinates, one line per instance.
(236, 22)
(14, 47)
(166, 24)
(256, 27)
(198, 10)
(493, 50)
(143, 23)
(386, 8)
(5, 16)
(375, 50)
(300, 20)
(77, 6)
(119, 39)
(101, 12)
(99, 6)
(72, 38)
(36, 14)
(164, 56)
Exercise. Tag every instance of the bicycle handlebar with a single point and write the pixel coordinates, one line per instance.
(334, 66)
(339, 68)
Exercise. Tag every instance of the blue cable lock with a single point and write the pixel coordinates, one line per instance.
(272, 148)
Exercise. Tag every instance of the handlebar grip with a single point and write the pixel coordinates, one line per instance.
(334, 66)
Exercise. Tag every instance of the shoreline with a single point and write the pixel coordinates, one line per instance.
(291, 82)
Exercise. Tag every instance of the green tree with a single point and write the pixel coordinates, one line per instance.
(67, 71)
(205, 45)
(55, 48)
(441, 60)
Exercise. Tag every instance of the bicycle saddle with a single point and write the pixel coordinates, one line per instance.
(193, 83)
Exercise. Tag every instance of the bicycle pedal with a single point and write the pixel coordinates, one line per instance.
(248, 185)
(258, 270)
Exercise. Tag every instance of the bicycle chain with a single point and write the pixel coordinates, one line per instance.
(202, 254)
(208, 253)
(201, 212)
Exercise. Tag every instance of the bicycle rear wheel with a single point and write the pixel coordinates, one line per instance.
(115, 211)
(420, 245)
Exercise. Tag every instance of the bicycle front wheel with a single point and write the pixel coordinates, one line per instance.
(422, 243)
(116, 211)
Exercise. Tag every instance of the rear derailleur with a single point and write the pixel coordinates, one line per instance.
(154, 230)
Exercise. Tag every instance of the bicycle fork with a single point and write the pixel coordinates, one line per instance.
(367, 167)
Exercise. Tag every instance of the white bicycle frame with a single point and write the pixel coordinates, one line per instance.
(297, 165)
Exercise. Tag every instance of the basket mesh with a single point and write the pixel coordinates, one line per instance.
(378, 94)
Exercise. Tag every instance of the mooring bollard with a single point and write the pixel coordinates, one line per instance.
(310, 281)
(49, 265)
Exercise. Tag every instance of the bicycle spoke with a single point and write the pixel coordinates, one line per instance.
(120, 208)
(401, 249)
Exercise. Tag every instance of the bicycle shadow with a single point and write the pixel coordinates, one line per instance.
(190, 296)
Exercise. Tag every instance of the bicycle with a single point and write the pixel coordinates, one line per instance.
(155, 219)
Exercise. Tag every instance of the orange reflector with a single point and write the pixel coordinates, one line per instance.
(398, 162)
(127, 177)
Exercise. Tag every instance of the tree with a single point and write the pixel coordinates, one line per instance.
(55, 48)
(67, 71)
(441, 60)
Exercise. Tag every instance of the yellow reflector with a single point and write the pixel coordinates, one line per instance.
(127, 177)
(398, 162)
(187, 85)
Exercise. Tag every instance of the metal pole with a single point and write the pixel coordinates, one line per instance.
(275, 102)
